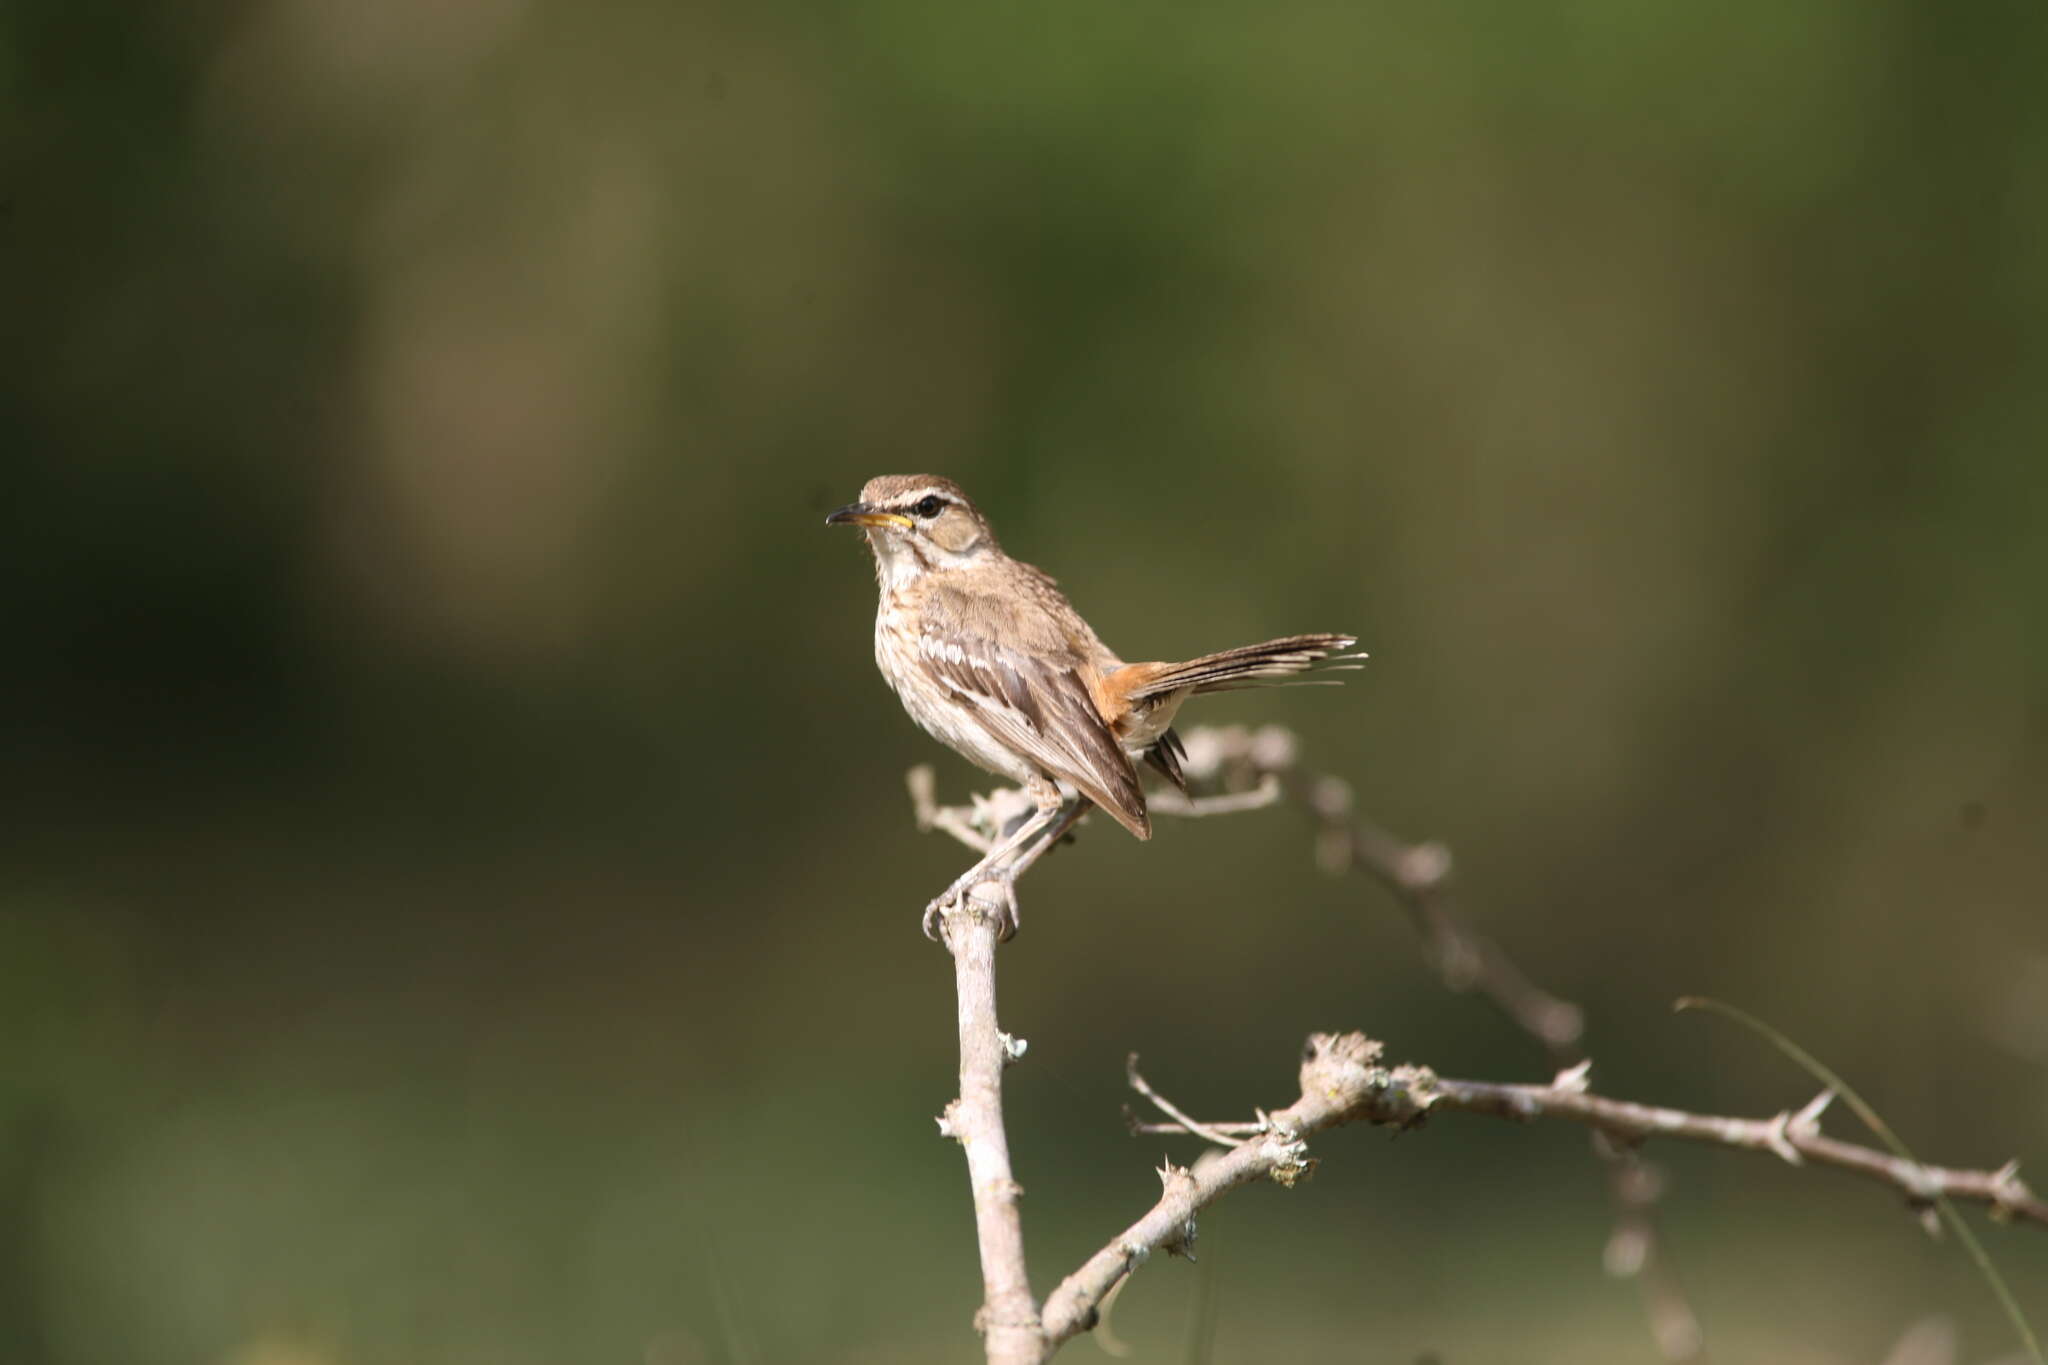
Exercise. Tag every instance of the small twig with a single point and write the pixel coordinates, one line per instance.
(975, 825)
(931, 815)
(1170, 802)
(1170, 1109)
(1245, 1127)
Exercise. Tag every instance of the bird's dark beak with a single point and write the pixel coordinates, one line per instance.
(860, 514)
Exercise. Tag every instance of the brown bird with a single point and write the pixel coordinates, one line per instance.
(988, 656)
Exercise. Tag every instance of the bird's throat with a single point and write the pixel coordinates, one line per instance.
(898, 559)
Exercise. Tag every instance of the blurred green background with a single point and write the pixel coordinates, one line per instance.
(459, 903)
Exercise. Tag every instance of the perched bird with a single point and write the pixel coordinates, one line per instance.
(988, 656)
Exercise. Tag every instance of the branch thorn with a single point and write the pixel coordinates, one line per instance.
(1573, 1079)
(1775, 1138)
(1806, 1123)
(2009, 1193)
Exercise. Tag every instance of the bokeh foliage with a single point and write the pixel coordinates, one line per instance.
(458, 905)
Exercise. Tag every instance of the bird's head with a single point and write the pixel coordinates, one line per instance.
(917, 523)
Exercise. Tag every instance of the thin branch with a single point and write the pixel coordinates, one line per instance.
(1404, 1096)
(1419, 875)
(1170, 802)
(1232, 759)
(955, 820)
(1795, 1138)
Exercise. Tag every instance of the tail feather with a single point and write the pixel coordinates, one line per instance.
(1246, 665)
(1166, 756)
(1264, 683)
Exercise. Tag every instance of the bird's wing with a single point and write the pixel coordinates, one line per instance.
(1037, 704)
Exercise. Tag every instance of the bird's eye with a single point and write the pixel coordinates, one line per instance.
(930, 505)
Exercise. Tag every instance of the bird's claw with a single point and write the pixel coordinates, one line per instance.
(1003, 912)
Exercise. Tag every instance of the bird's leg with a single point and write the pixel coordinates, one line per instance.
(1018, 865)
(1005, 875)
(993, 865)
(1017, 822)
(989, 870)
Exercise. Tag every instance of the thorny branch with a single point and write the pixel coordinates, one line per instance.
(1233, 769)
(1333, 1072)
(1014, 1330)
(1404, 1096)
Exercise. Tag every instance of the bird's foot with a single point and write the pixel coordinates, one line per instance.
(959, 898)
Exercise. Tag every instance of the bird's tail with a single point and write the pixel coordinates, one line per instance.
(1275, 662)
